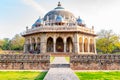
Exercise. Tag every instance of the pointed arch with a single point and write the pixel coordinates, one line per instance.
(28, 44)
(69, 45)
(33, 44)
(91, 45)
(38, 40)
(59, 45)
(38, 45)
(50, 44)
(85, 45)
(80, 44)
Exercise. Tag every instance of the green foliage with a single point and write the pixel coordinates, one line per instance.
(17, 43)
(107, 41)
(52, 58)
(67, 59)
(6, 45)
(98, 75)
(41, 76)
(117, 44)
(1, 43)
(22, 75)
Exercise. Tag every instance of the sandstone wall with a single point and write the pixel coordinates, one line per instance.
(24, 61)
(95, 62)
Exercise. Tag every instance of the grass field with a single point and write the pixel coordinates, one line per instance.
(67, 59)
(51, 59)
(30, 75)
(21, 75)
(98, 75)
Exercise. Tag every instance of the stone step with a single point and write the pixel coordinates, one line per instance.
(60, 74)
(60, 66)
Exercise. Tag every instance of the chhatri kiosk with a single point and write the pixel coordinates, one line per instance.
(59, 31)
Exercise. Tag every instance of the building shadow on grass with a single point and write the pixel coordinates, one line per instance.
(41, 76)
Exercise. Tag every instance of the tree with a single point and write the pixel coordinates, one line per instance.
(1, 43)
(6, 45)
(17, 42)
(107, 41)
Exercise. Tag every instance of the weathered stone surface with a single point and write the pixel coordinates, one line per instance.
(24, 61)
(95, 62)
(60, 72)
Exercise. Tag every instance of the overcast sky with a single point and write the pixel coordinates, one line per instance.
(15, 15)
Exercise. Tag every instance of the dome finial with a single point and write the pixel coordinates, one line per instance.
(59, 4)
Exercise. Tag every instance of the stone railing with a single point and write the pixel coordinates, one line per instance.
(11, 52)
(59, 29)
(95, 62)
(24, 61)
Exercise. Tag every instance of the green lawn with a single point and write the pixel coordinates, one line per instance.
(67, 59)
(98, 75)
(21, 75)
(51, 58)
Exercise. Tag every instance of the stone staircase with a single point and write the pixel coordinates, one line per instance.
(60, 66)
(60, 70)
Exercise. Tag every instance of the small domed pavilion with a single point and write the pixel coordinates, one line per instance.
(59, 31)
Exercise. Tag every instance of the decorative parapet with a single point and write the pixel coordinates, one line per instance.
(95, 62)
(59, 29)
(24, 58)
(24, 61)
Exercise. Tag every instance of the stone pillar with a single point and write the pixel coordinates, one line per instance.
(54, 44)
(25, 48)
(76, 43)
(36, 44)
(43, 47)
(88, 45)
(43, 43)
(65, 45)
(83, 45)
(95, 46)
(31, 46)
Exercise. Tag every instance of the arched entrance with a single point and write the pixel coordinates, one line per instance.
(91, 46)
(38, 45)
(59, 45)
(50, 44)
(69, 45)
(28, 45)
(33, 44)
(80, 44)
(86, 45)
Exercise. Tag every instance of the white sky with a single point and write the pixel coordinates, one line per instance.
(15, 15)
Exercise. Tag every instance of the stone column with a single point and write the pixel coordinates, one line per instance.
(88, 45)
(43, 43)
(31, 46)
(95, 46)
(36, 42)
(54, 44)
(43, 47)
(76, 43)
(65, 45)
(83, 45)
(25, 48)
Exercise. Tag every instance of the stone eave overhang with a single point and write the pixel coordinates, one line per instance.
(28, 34)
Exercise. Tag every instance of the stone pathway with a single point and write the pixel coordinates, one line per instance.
(60, 70)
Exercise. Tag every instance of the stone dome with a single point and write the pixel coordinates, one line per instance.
(59, 10)
(37, 23)
(79, 21)
(59, 19)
